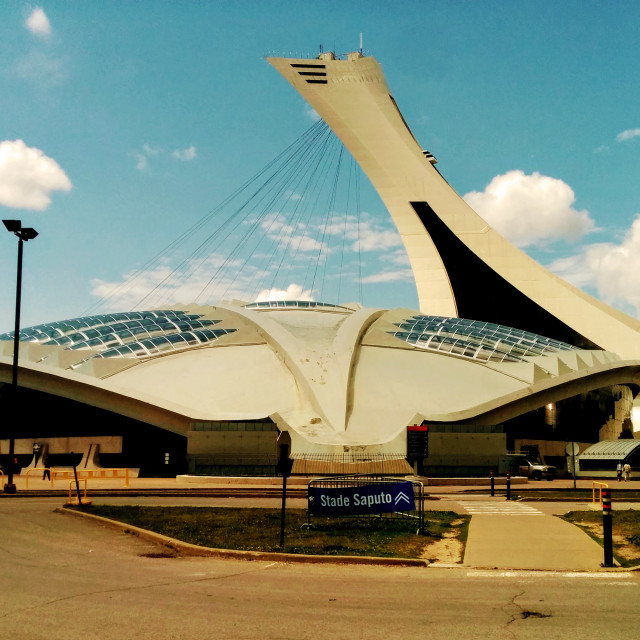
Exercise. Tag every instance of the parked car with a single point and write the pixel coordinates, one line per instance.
(536, 470)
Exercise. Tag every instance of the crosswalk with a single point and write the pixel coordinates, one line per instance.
(479, 508)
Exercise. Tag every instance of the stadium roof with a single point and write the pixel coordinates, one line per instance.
(611, 449)
(334, 376)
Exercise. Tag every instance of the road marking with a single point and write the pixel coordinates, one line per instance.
(499, 509)
(567, 574)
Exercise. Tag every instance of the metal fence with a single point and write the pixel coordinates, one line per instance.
(367, 480)
(350, 463)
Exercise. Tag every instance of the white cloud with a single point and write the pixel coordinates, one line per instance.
(292, 237)
(398, 257)
(159, 285)
(573, 269)
(628, 135)
(372, 239)
(613, 269)
(311, 113)
(274, 225)
(531, 209)
(28, 176)
(44, 69)
(360, 235)
(302, 243)
(292, 292)
(142, 162)
(38, 23)
(185, 154)
(142, 157)
(149, 151)
(389, 276)
(364, 234)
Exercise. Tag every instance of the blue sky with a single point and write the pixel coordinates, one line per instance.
(123, 123)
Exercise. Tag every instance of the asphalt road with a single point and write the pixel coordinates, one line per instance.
(63, 577)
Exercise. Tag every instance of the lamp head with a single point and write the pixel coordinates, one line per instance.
(27, 233)
(12, 225)
(15, 227)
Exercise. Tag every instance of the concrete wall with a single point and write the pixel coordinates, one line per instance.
(232, 448)
(78, 444)
(465, 449)
(232, 443)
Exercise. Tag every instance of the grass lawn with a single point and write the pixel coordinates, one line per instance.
(259, 529)
(626, 532)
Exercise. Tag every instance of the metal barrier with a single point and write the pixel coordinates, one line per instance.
(352, 464)
(355, 481)
(92, 474)
(84, 497)
(602, 485)
(38, 470)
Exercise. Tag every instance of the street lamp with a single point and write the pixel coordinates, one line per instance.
(24, 234)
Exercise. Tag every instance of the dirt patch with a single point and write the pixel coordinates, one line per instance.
(448, 549)
(623, 548)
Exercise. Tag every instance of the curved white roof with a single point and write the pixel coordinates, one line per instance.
(334, 376)
(611, 449)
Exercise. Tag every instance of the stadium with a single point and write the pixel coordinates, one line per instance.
(502, 355)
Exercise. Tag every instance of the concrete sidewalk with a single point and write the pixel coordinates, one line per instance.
(530, 535)
(516, 535)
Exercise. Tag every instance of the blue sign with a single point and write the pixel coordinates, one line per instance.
(370, 498)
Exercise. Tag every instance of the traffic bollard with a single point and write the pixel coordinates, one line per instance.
(607, 536)
(493, 484)
(508, 485)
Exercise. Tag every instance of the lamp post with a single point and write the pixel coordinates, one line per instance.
(23, 234)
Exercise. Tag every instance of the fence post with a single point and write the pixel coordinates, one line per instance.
(75, 473)
(284, 466)
(607, 536)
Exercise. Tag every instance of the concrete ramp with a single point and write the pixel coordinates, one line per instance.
(90, 457)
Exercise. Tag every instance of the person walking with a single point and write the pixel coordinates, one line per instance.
(45, 461)
(627, 472)
(619, 471)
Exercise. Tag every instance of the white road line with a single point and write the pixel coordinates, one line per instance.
(557, 574)
(499, 508)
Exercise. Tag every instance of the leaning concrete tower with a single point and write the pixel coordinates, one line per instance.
(461, 265)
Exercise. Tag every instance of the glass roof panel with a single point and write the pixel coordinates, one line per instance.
(158, 344)
(475, 339)
(118, 328)
(45, 332)
(294, 304)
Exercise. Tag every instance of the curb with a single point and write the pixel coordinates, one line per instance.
(187, 549)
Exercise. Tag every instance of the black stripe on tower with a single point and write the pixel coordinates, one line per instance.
(482, 294)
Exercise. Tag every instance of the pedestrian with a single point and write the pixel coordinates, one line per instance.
(45, 461)
(627, 471)
(619, 471)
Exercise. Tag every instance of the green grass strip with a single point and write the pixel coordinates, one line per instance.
(255, 529)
